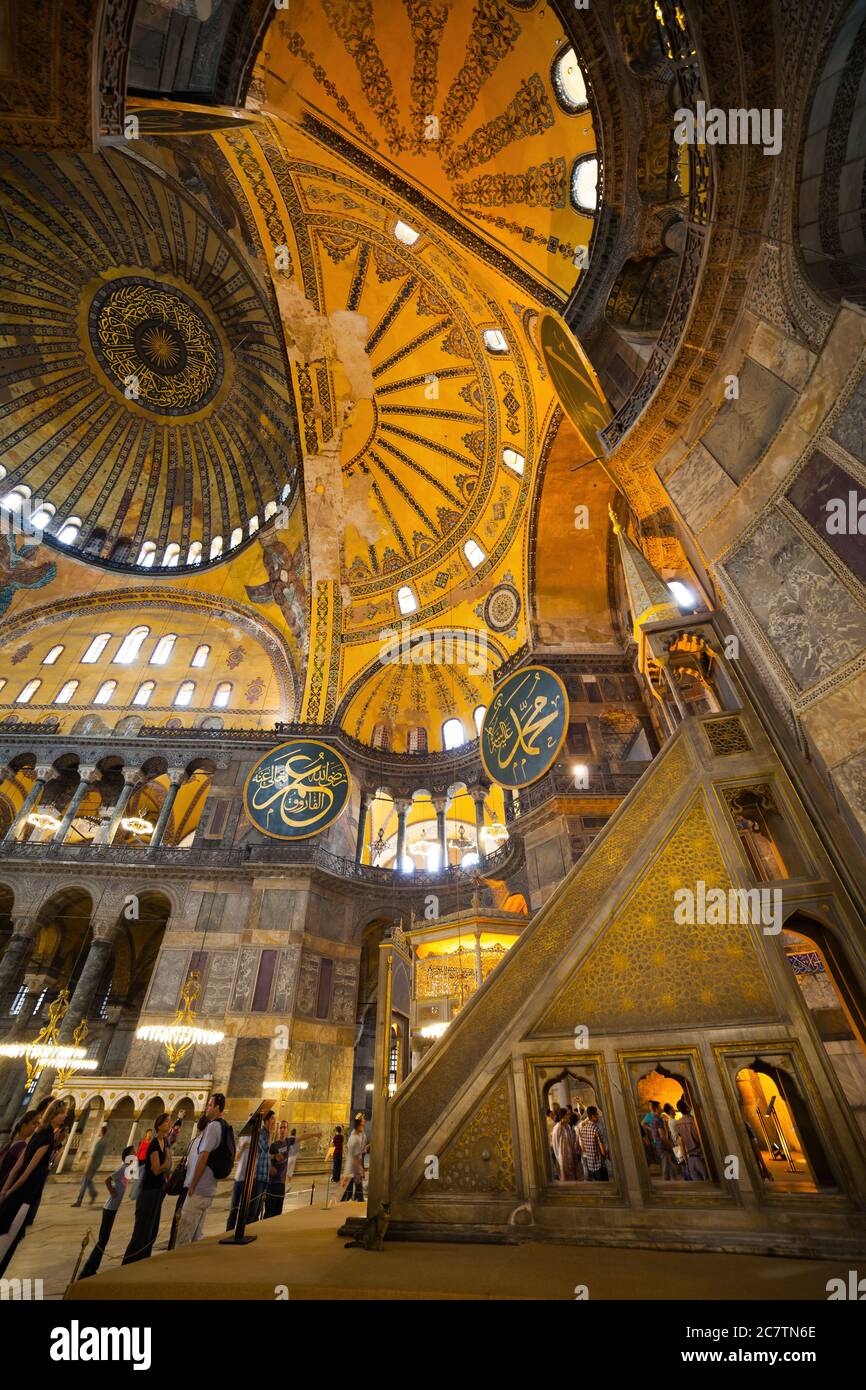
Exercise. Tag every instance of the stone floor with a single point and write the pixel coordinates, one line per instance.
(51, 1248)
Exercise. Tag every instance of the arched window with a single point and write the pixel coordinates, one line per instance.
(105, 692)
(201, 655)
(416, 740)
(216, 547)
(405, 234)
(568, 82)
(516, 462)
(68, 533)
(584, 183)
(96, 648)
(236, 537)
(495, 340)
(162, 650)
(473, 552)
(26, 695)
(41, 517)
(147, 555)
(253, 525)
(193, 556)
(52, 656)
(171, 558)
(14, 500)
(185, 693)
(144, 692)
(65, 694)
(478, 715)
(223, 695)
(270, 510)
(381, 737)
(406, 600)
(453, 734)
(130, 646)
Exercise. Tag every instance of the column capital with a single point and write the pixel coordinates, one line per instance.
(176, 775)
(90, 774)
(24, 923)
(105, 929)
(478, 793)
(133, 776)
(440, 804)
(43, 772)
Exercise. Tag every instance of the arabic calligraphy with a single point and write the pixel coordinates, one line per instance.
(153, 334)
(297, 790)
(524, 727)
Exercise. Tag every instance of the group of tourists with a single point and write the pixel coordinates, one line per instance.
(150, 1173)
(671, 1140)
(577, 1141)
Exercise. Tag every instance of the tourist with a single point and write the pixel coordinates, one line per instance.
(295, 1142)
(663, 1149)
(201, 1124)
(23, 1130)
(355, 1150)
(759, 1154)
(141, 1152)
(201, 1175)
(151, 1191)
(336, 1153)
(21, 1194)
(686, 1131)
(669, 1115)
(592, 1146)
(95, 1157)
(276, 1190)
(117, 1184)
(565, 1149)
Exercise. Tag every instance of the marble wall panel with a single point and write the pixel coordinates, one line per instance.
(345, 991)
(743, 428)
(219, 982)
(700, 487)
(308, 985)
(287, 972)
(168, 976)
(249, 959)
(812, 622)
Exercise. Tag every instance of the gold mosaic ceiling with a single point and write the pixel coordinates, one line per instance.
(464, 102)
(144, 391)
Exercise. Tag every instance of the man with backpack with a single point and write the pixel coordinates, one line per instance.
(210, 1157)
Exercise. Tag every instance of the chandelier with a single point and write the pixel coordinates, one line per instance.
(433, 1030)
(494, 835)
(461, 841)
(137, 825)
(45, 1052)
(286, 1082)
(40, 820)
(183, 1034)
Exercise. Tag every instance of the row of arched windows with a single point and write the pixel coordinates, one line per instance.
(18, 500)
(453, 734)
(103, 696)
(130, 647)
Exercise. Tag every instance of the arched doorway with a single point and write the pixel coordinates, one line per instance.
(836, 1000)
(781, 1131)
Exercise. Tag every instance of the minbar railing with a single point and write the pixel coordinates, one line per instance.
(600, 781)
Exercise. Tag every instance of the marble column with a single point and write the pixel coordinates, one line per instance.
(439, 805)
(43, 775)
(15, 959)
(479, 974)
(88, 778)
(401, 807)
(177, 776)
(132, 778)
(479, 796)
(362, 829)
(84, 995)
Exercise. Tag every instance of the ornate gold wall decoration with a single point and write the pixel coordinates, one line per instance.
(647, 971)
(480, 1157)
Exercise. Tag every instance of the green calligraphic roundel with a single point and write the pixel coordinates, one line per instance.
(297, 790)
(524, 727)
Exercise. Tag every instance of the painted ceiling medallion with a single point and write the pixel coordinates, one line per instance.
(502, 608)
(155, 345)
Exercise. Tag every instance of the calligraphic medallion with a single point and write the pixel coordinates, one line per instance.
(155, 344)
(524, 727)
(297, 790)
(574, 381)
